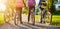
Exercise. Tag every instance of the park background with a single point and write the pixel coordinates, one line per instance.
(55, 12)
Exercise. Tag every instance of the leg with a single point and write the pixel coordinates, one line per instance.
(41, 17)
(15, 18)
(44, 16)
(33, 16)
(20, 15)
(29, 15)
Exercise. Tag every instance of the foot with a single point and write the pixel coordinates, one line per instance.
(15, 24)
(44, 22)
(28, 22)
(21, 22)
(33, 24)
(41, 22)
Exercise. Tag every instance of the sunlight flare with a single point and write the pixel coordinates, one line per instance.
(2, 7)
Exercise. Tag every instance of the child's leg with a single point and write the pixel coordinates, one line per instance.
(44, 16)
(41, 16)
(20, 14)
(33, 15)
(29, 12)
(15, 18)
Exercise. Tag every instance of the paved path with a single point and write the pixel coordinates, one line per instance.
(25, 25)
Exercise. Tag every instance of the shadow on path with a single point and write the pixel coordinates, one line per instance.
(26, 26)
(10, 26)
(40, 26)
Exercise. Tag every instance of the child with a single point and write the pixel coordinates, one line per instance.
(42, 6)
(19, 5)
(31, 7)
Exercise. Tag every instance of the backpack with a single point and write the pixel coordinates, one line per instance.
(31, 2)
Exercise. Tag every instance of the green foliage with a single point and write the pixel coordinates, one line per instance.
(56, 0)
(55, 19)
(37, 10)
(25, 10)
(48, 4)
(53, 9)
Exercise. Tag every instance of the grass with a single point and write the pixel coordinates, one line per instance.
(1, 19)
(55, 19)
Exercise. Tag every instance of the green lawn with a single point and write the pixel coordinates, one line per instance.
(55, 19)
(1, 18)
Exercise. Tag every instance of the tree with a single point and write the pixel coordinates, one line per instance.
(50, 6)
